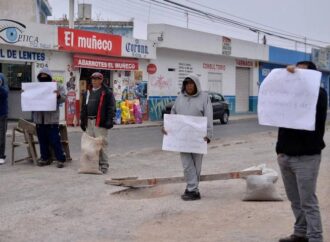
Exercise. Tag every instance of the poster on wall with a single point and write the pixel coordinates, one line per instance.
(184, 70)
(70, 108)
(58, 76)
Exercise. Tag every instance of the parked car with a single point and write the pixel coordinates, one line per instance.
(220, 107)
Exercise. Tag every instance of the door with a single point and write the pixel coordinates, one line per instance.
(242, 89)
(214, 82)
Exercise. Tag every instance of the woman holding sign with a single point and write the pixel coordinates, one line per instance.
(193, 102)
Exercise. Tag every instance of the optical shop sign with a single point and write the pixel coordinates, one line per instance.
(23, 55)
(32, 35)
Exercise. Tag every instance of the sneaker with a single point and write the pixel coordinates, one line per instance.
(104, 170)
(294, 238)
(190, 196)
(2, 161)
(60, 164)
(43, 162)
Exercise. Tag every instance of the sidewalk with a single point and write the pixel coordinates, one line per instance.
(12, 124)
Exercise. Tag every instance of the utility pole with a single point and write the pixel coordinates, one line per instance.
(71, 14)
(187, 15)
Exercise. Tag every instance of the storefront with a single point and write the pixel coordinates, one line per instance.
(24, 50)
(122, 62)
(224, 65)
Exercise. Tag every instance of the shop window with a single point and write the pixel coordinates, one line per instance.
(16, 74)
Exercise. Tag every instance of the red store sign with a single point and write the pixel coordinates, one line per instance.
(244, 63)
(214, 67)
(96, 62)
(89, 42)
(151, 68)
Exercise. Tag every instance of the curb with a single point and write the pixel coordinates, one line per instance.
(12, 124)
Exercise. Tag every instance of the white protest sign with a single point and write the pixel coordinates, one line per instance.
(39, 96)
(289, 100)
(185, 133)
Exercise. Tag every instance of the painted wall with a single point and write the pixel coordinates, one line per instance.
(285, 56)
(174, 65)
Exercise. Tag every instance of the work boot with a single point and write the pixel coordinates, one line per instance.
(294, 238)
(42, 162)
(190, 196)
(60, 164)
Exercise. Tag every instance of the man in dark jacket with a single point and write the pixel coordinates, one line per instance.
(299, 157)
(97, 113)
(3, 117)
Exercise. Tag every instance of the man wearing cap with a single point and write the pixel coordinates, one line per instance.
(47, 124)
(97, 113)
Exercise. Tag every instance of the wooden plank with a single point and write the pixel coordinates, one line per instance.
(133, 182)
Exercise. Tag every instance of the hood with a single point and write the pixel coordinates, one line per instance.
(195, 78)
(45, 70)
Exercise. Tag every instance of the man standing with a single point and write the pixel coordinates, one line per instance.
(192, 101)
(47, 124)
(299, 157)
(97, 113)
(3, 117)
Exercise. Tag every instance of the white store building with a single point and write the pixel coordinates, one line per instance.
(228, 66)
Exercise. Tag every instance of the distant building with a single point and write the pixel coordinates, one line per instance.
(35, 11)
(86, 22)
(122, 28)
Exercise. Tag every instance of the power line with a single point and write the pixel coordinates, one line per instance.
(245, 19)
(239, 24)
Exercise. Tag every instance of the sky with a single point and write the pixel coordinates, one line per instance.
(304, 20)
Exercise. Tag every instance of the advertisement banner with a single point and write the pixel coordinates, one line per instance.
(137, 48)
(74, 40)
(32, 35)
(70, 108)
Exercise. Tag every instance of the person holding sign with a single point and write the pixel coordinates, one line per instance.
(299, 156)
(47, 124)
(193, 102)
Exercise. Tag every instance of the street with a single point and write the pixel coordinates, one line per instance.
(46, 204)
(123, 140)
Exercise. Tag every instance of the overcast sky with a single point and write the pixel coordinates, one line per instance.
(303, 18)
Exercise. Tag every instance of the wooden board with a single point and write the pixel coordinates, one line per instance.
(134, 182)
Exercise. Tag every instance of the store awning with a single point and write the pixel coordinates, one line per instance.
(98, 62)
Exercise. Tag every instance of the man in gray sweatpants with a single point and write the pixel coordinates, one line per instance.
(299, 157)
(192, 101)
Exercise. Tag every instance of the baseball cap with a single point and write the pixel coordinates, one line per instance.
(97, 75)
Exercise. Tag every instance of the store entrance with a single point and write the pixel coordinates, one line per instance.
(86, 74)
(15, 75)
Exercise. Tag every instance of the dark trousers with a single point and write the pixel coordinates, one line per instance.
(49, 136)
(3, 130)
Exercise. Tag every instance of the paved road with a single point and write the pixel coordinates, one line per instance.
(123, 140)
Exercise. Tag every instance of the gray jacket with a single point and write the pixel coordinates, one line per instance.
(198, 104)
(50, 117)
